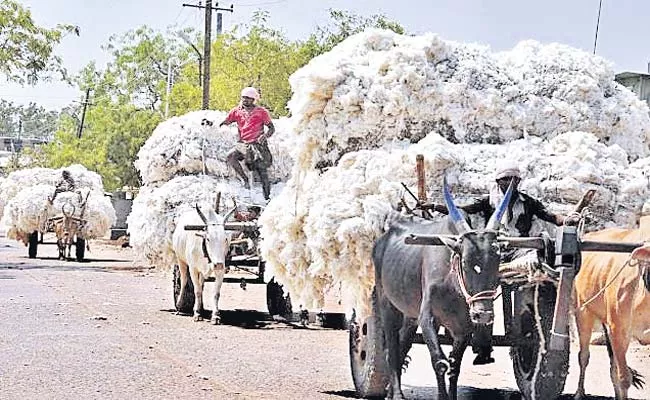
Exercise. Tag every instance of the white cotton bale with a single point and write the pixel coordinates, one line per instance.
(379, 85)
(24, 178)
(29, 209)
(25, 193)
(362, 112)
(194, 143)
(26, 211)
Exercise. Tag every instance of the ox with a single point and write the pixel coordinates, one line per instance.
(452, 285)
(200, 253)
(65, 229)
(614, 289)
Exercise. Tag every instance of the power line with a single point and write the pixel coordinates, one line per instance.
(264, 3)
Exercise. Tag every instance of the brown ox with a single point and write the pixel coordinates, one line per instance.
(66, 228)
(614, 289)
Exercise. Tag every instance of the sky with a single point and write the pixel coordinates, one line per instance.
(500, 24)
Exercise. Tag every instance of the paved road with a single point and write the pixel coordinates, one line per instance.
(104, 329)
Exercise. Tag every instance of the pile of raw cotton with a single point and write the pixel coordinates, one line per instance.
(364, 110)
(184, 163)
(194, 143)
(25, 193)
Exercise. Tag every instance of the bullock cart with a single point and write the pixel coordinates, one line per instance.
(536, 308)
(68, 229)
(245, 260)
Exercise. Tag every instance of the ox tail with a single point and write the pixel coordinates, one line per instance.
(608, 342)
(637, 378)
(646, 278)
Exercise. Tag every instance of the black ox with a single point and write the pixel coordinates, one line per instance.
(452, 286)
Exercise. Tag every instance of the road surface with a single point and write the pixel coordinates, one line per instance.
(105, 329)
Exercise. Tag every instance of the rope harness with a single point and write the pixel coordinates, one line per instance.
(630, 262)
(470, 298)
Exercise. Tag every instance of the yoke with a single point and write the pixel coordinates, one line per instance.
(567, 251)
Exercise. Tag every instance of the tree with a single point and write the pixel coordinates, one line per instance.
(138, 72)
(31, 120)
(27, 51)
(37, 121)
(112, 137)
(249, 55)
(257, 55)
(8, 120)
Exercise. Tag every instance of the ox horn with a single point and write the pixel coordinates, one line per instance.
(198, 210)
(217, 203)
(495, 219)
(454, 213)
(232, 211)
(229, 214)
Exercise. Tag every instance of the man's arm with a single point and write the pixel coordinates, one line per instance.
(541, 212)
(229, 118)
(479, 205)
(270, 128)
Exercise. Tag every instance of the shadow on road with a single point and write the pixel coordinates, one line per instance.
(464, 393)
(73, 266)
(249, 319)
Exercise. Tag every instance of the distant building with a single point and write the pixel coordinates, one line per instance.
(637, 82)
(11, 146)
(16, 145)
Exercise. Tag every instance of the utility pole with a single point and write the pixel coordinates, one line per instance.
(207, 44)
(83, 114)
(600, 6)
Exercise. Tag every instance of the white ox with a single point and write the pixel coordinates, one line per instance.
(200, 253)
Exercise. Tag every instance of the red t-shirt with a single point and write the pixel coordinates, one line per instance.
(250, 124)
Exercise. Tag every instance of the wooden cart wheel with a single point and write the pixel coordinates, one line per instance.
(539, 371)
(276, 301)
(185, 304)
(367, 359)
(80, 249)
(33, 244)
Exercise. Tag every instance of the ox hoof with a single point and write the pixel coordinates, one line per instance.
(215, 320)
(579, 396)
(198, 317)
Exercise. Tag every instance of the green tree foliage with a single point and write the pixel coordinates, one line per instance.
(111, 139)
(27, 51)
(138, 70)
(29, 120)
(249, 55)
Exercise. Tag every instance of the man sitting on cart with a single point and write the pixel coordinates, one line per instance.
(65, 184)
(517, 221)
(252, 147)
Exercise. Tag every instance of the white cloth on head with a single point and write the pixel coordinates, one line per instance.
(250, 92)
(507, 169)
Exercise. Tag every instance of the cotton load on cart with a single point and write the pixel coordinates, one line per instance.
(82, 214)
(183, 164)
(362, 112)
